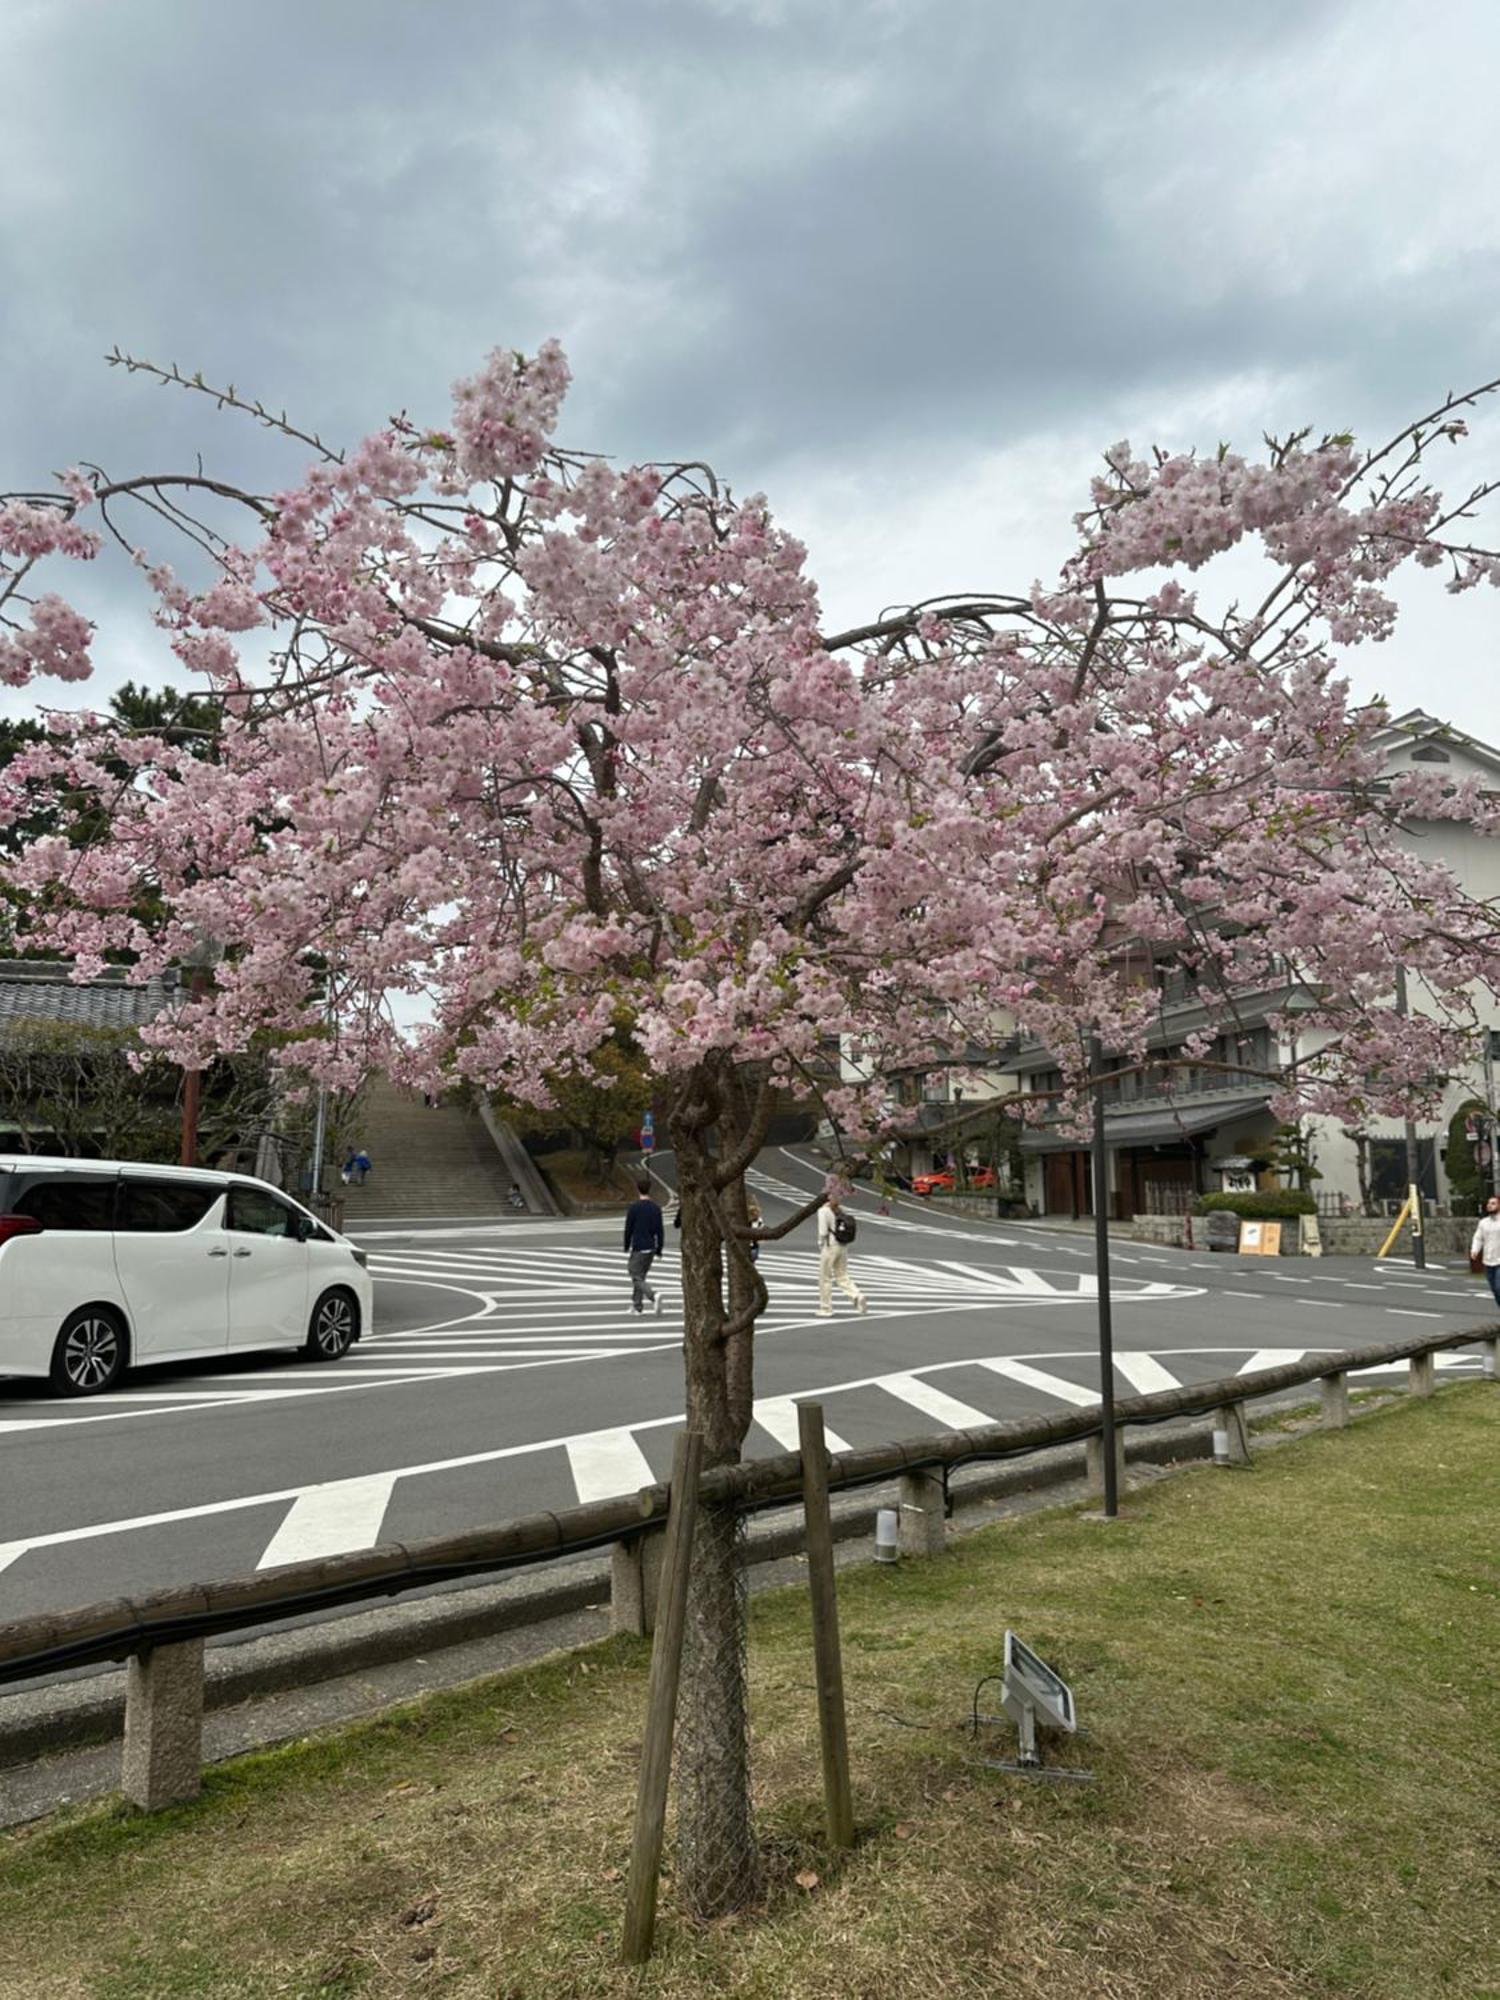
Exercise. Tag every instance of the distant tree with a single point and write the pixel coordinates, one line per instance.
(1290, 1154)
(603, 1105)
(98, 1093)
(1468, 1182)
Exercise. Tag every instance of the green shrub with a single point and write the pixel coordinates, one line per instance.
(1265, 1205)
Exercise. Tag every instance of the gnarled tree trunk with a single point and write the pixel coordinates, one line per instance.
(717, 1859)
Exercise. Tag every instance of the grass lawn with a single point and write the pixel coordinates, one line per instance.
(1289, 1676)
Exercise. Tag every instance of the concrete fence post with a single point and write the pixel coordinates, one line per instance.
(163, 1759)
(635, 1582)
(1334, 1393)
(1490, 1350)
(1093, 1458)
(1231, 1439)
(1421, 1375)
(923, 1527)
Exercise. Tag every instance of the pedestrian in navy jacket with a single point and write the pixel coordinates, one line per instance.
(644, 1243)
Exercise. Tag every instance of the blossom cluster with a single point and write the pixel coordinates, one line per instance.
(557, 743)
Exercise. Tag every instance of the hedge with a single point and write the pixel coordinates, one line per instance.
(1266, 1205)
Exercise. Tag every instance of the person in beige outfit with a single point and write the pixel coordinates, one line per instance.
(833, 1262)
(1486, 1244)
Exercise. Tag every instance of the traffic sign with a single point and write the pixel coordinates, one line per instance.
(648, 1132)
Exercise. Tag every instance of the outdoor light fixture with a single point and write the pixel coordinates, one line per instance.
(1030, 1693)
(887, 1529)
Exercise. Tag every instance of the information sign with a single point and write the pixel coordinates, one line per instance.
(1260, 1239)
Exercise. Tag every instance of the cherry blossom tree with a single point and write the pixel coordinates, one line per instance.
(565, 747)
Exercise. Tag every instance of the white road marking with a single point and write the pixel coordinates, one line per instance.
(1259, 1297)
(777, 1415)
(1409, 1312)
(331, 1520)
(1145, 1373)
(942, 1408)
(1280, 1278)
(1271, 1357)
(782, 1425)
(606, 1463)
(1036, 1378)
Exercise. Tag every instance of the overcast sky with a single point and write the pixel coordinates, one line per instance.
(906, 265)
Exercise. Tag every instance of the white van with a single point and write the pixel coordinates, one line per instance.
(107, 1265)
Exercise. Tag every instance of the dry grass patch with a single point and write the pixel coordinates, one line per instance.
(1289, 1679)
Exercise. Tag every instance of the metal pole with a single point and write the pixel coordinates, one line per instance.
(1101, 1265)
(1418, 1246)
(1489, 1105)
(320, 1122)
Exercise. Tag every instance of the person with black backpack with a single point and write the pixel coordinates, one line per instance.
(836, 1231)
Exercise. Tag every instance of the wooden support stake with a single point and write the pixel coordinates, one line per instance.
(661, 1703)
(838, 1801)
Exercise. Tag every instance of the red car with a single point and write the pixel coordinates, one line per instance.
(944, 1183)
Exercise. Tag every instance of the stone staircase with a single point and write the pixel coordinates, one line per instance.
(425, 1161)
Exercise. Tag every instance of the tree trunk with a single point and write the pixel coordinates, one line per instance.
(718, 1866)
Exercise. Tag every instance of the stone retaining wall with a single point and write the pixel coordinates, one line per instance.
(1342, 1236)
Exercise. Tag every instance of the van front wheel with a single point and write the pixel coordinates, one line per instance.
(90, 1353)
(334, 1327)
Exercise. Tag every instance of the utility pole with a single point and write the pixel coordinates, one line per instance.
(1101, 1265)
(200, 961)
(1413, 1179)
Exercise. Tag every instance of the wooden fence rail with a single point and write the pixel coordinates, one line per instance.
(162, 1634)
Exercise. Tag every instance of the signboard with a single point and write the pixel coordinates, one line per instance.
(1312, 1237)
(1260, 1239)
(648, 1132)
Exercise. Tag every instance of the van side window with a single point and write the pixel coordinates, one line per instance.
(68, 1201)
(163, 1208)
(257, 1212)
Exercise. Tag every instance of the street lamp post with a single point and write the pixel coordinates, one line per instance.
(1413, 1171)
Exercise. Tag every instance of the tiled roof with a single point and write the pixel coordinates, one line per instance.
(31, 989)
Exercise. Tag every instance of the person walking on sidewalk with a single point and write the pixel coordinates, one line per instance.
(836, 1232)
(644, 1243)
(1486, 1244)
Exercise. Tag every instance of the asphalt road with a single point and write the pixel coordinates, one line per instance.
(506, 1373)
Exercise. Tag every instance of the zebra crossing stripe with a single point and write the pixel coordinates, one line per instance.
(606, 1463)
(329, 1520)
(1145, 1373)
(1271, 1357)
(935, 1403)
(1038, 1378)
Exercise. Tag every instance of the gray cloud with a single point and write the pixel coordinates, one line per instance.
(878, 235)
